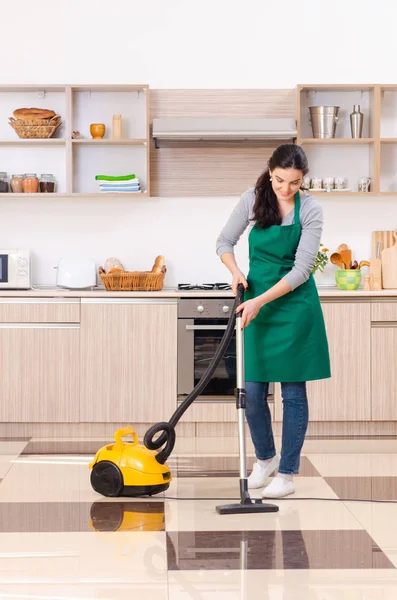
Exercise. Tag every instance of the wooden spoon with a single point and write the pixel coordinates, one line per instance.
(346, 256)
(364, 263)
(354, 265)
(343, 247)
(336, 259)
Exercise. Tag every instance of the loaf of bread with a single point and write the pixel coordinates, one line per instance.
(113, 265)
(159, 265)
(33, 113)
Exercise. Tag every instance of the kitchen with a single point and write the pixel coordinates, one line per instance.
(142, 225)
(77, 361)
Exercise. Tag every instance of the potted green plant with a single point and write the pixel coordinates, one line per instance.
(321, 260)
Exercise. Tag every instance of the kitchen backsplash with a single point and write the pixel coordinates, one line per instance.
(183, 229)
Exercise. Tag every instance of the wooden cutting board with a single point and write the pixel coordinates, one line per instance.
(389, 265)
(386, 238)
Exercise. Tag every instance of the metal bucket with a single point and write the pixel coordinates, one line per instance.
(323, 120)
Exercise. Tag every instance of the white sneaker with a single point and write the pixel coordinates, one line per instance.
(279, 488)
(260, 474)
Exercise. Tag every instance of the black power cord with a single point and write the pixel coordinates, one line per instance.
(166, 429)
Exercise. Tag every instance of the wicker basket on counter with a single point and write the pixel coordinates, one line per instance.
(35, 128)
(133, 281)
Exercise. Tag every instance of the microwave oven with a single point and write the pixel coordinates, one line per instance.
(15, 269)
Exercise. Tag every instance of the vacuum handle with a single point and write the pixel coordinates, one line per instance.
(240, 294)
(120, 433)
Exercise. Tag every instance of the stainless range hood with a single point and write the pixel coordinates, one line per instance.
(223, 129)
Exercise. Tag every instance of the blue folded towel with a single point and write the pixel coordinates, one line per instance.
(117, 190)
(120, 187)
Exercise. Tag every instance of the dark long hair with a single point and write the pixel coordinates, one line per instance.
(266, 209)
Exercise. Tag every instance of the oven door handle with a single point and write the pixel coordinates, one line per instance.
(205, 327)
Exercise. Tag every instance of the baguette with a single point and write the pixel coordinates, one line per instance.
(159, 265)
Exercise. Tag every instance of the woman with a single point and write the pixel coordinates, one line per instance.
(285, 339)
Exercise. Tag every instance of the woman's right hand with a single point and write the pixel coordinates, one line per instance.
(238, 277)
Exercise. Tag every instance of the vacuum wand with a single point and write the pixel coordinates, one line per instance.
(246, 505)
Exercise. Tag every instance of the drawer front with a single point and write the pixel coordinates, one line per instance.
(384, 311)
(46, 310)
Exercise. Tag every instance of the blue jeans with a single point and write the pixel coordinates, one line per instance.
(295, 420)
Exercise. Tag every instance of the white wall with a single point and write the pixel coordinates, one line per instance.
(183, 229)
(193, 44)
(185, 44)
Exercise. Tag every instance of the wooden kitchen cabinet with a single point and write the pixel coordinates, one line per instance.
(39, 361)
(384, 372)
(346, 396)
(128, 360)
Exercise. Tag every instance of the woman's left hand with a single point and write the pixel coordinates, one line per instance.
(250, 310)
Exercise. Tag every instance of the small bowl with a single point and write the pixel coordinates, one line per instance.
(348, 279)
(97, 130)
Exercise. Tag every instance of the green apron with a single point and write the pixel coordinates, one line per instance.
(287, 341)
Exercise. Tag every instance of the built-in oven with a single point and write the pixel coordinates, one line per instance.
(201, 326)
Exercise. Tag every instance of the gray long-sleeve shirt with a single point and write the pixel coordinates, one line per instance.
(311, 220)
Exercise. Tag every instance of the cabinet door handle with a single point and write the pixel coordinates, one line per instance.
(39, 325)
(205, 327)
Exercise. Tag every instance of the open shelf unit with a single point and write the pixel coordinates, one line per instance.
(342, 156)
(75, 162)
(374, 155)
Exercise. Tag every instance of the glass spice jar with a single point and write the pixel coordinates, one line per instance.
(30, 183)
(16, 184)
(3, 182)
(47, 183)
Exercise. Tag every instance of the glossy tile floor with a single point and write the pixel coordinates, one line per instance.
(59, 540)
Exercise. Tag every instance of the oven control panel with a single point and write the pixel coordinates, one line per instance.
(205, 308)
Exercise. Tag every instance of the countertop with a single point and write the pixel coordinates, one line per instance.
(172, 292)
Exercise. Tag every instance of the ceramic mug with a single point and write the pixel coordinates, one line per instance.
(97, 130)
(364, 184)
(316, 183)
(329, 183)
(340, 183)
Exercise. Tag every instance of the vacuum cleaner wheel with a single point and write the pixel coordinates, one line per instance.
(107, 479)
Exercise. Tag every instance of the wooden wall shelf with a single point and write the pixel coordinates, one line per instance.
(336, 141)
(208, 169)
(75, 162)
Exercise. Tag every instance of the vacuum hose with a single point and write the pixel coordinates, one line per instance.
(167, 436)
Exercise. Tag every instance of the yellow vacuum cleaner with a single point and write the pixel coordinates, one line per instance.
(128, 468)
(136, 470)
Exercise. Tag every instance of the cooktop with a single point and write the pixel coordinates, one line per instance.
(204, 286)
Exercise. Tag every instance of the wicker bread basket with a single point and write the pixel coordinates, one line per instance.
(35, 128)
(133, 281)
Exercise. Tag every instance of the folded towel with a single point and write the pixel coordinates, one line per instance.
(115, 178)
(118, 183)
(136, 191)
(119, 187)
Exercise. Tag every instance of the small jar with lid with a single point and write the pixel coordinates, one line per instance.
(47, 183)
(3, 182)
(16, 184)
(30, 183)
